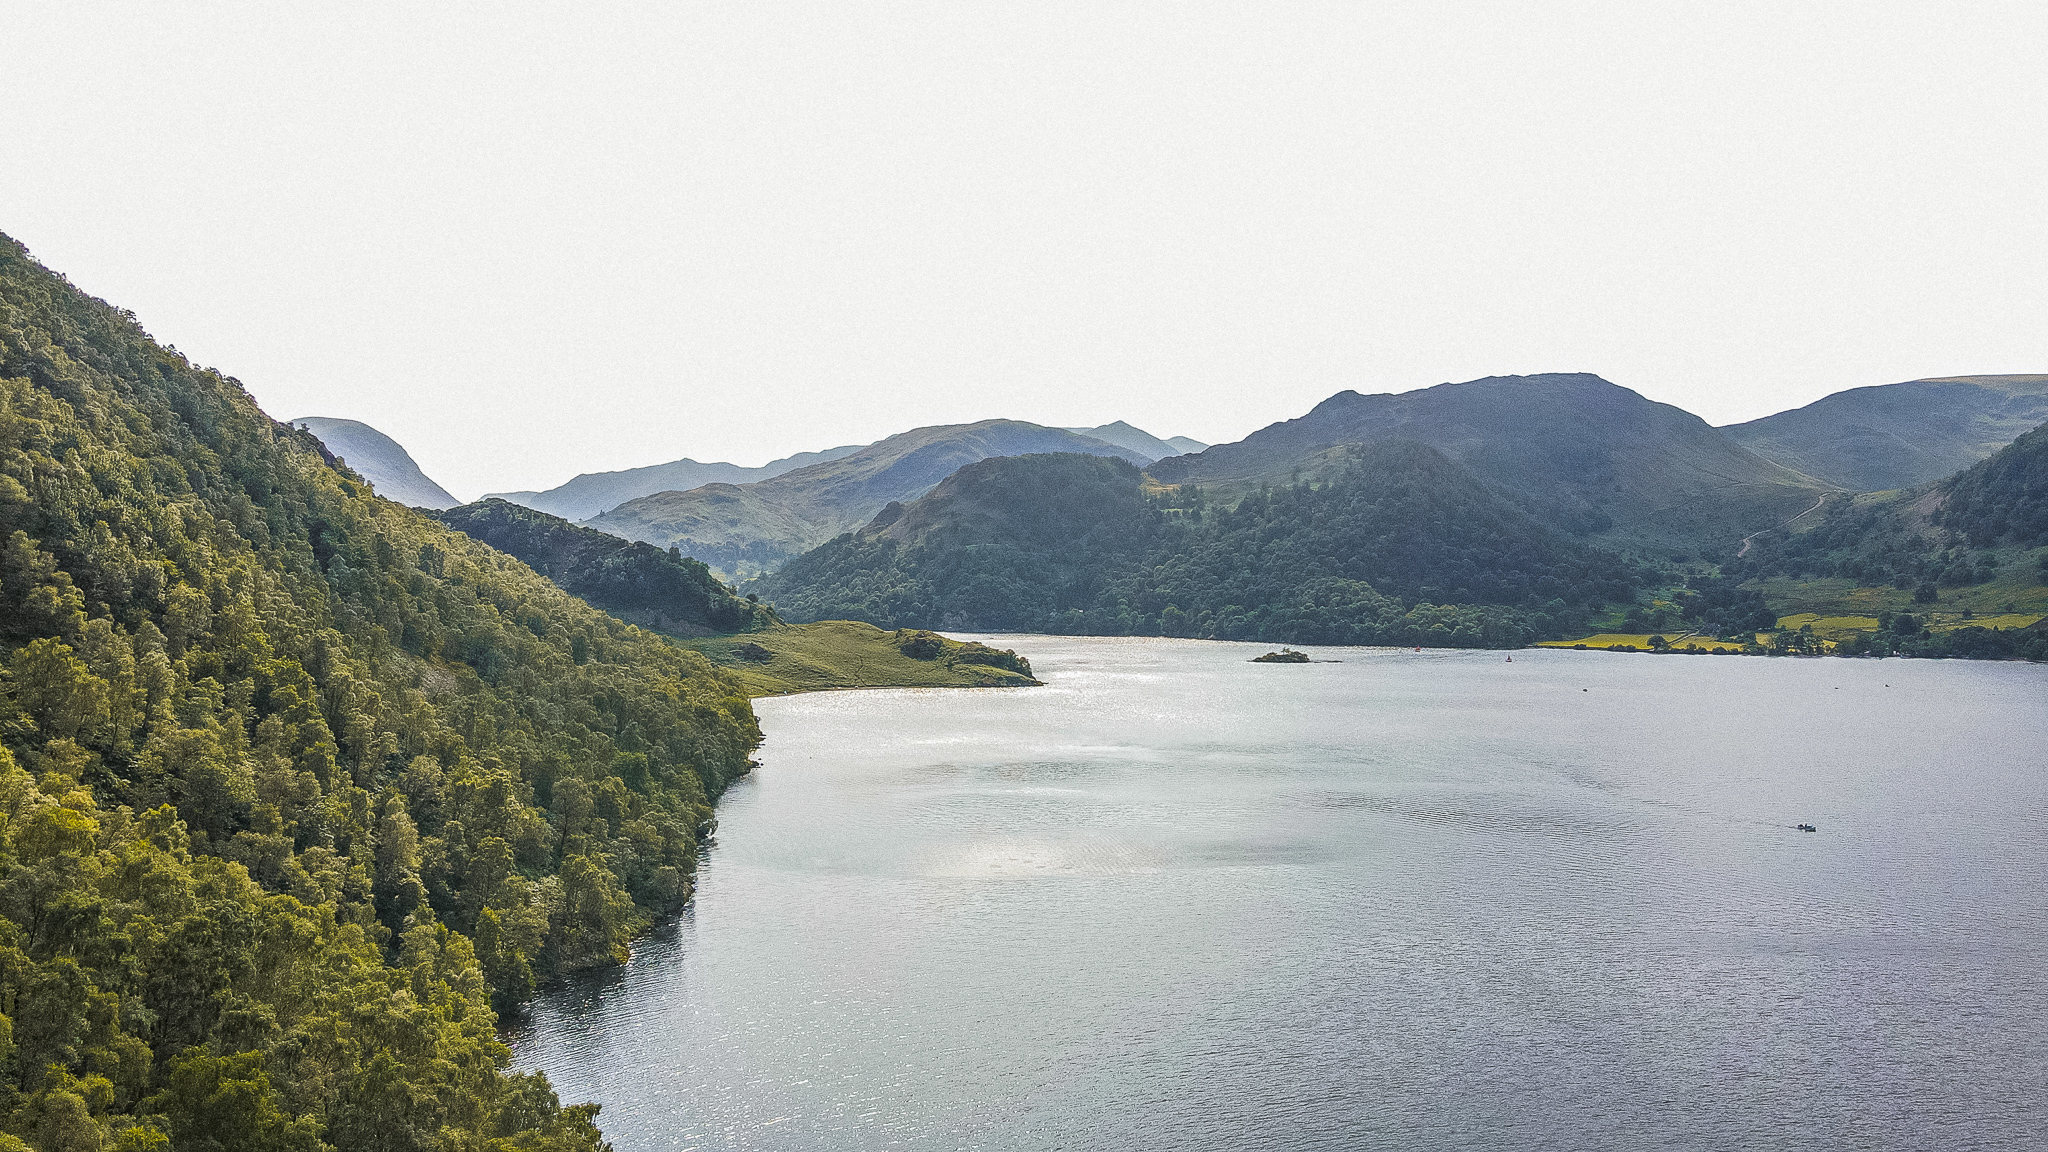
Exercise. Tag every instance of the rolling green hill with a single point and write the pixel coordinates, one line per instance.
(1899, 435)
(1585, 456)
(1393, 544)
(594, 493)
(294, 781)
(742, 529)
(379, 459)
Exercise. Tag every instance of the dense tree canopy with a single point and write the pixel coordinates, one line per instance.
(635, 581)
(297, 781)
(1397, 545)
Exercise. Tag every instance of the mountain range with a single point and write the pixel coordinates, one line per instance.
(743, 529)
(593, 493)
(1582, 455)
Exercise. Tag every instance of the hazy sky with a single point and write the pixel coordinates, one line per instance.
(533, 240)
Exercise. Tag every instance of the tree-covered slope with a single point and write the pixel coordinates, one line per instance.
(1954, 568)
(1585, 456)
(314, 778)
(2003, 500)
(741, 529)
(1953, 533)
(1899, 435)
(1394, 544)
(379, 459)
(634, 581)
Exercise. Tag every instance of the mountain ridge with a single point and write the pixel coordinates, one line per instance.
(592, 494)
(744, 529)
(1589, 457)
(1890, 436)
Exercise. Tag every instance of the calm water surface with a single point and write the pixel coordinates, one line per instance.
(1409, 900)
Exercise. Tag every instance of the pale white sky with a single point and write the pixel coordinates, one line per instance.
(530, 240)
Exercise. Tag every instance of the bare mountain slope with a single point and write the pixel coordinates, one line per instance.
(1899, 435)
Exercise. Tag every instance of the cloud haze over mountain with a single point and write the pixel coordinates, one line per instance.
(532, 241)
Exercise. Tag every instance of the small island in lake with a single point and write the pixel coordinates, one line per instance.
(1283, 656)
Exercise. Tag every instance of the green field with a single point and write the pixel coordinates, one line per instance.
(1829, 627)
(830, 654)
(1641, 642)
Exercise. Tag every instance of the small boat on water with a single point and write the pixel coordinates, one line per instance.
(1806, 827)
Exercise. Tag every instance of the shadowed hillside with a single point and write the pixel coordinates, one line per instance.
(740, 529)
(633, 581)
(1585, 456)
(1899, 435)
(1393, 544)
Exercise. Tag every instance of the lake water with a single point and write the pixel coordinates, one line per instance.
(1405, 901)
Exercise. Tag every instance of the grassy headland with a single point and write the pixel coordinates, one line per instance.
(785, 658)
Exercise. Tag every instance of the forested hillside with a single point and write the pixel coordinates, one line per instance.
(634, 581)
(297, 781)
(1395, 545)
(1953, 533)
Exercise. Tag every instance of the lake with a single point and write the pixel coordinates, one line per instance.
(1409, 900)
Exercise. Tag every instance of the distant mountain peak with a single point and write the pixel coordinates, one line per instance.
(1124, 434)
(379, 459)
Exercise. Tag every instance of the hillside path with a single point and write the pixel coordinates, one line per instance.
(1761, 531)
